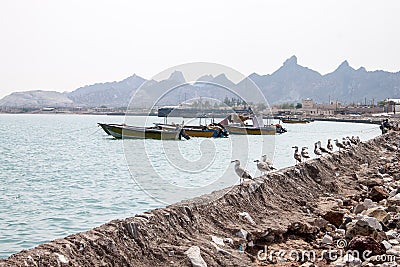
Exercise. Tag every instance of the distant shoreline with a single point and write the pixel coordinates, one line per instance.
(334, 118)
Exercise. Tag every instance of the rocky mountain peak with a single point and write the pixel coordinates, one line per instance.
(177, 76)
(361, 69)
(291, 61)
(344, 66)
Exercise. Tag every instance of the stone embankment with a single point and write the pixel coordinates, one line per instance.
(311, 214)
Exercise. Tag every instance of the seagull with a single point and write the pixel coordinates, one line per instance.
(265, 159)
(317, 150)
(346, 142)
(330, 146)
(240, 171)
(296, 155)
(304, 152)
(262, 166)
(349, 141)
(339, 145)
(353, 140)
(323, 150)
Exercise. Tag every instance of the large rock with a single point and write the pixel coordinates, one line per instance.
(378, 193)
(363, 243)
(334, 217)
(359, 208)
(378, 213)
(368, 203)
(193, 253)
(373, 222)
(248, 218)
(360, 227)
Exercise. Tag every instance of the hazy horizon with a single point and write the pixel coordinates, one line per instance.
(65, 45)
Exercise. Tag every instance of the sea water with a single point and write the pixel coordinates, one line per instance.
(61, 174)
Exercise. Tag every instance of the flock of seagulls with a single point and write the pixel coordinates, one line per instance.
(265, 165)
(319, 150)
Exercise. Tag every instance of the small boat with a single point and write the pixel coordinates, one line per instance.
(120, 131)
(237, 129)
(211, 130)
(295, 120)
(237, 124)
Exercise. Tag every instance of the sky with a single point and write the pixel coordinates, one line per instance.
(65, 44)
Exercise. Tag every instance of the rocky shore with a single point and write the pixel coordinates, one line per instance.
(338, 210)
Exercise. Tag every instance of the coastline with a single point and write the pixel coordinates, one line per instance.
(367, 119)
(282, 209)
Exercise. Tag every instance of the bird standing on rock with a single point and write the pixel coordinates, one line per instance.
(265, 159)
(296, 155)
(353, 140)
(323, 150)
(262, 166)
(304, 152)
(241, 172)
(317, 150)
(339, 145)
(358, 139)
(330, 146)
(346, 142)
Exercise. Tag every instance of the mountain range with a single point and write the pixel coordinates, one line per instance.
(290, 83)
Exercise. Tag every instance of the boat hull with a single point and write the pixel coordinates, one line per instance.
(251, 130)
(295, 122)
(200, 131)
(130, 132)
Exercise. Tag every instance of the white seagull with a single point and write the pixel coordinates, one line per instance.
(265, 159)
(240, 171)
(263, 167)
(296, 155)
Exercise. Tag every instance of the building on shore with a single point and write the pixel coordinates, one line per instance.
(393, 105)
(313, 109)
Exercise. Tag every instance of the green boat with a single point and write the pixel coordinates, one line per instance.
(122, 131)
(296, 120)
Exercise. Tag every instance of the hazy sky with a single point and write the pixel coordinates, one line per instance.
(64, 44)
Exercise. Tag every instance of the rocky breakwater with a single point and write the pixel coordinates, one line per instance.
(311, 214)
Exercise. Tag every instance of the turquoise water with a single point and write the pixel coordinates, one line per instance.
(60, 174)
